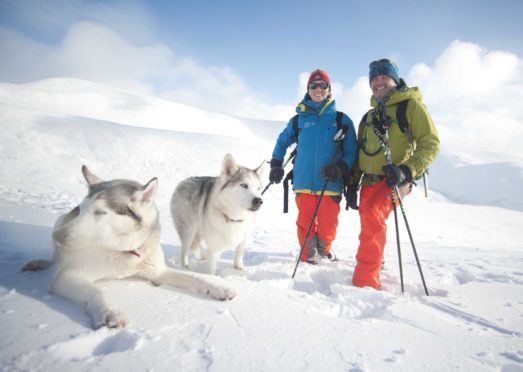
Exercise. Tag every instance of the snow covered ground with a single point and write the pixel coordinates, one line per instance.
(471, 254)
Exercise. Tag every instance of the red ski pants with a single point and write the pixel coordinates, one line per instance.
(323, 231)
(375, 207)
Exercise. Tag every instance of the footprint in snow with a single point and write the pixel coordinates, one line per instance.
(100, 342)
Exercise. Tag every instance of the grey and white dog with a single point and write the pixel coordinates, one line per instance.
(217, 210)
(114, 233)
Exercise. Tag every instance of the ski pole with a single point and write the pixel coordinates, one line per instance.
(411, 241)
(291, 156)
(309, 229)
(397, 237)
(388, 159)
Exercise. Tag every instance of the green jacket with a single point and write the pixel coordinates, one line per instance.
(418, 156)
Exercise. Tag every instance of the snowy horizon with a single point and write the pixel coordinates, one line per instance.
(460, 176)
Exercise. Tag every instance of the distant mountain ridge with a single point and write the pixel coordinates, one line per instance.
(67, 122)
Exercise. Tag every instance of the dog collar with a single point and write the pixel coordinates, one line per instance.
(229, 219)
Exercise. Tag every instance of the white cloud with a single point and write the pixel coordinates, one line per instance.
(220, 89)
(466, 69)
(88, 51)
(354, 101)
(475, 97)
(94, 52)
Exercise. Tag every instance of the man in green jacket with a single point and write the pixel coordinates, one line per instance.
(412, 150)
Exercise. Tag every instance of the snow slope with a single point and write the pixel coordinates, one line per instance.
(471, 255)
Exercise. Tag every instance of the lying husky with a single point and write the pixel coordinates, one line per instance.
(218, 210)
(114, 233)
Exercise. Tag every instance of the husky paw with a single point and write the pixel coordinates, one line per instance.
(111, 319)
(239, 267)
(221, 293)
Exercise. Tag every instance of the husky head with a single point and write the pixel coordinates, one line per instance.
(115, 215)
(240, 187)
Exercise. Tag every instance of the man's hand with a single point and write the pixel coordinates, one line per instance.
(396, 174)
(333, 172)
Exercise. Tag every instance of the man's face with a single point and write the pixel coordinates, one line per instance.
(381, 86)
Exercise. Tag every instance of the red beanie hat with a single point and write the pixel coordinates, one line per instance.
(319, 75)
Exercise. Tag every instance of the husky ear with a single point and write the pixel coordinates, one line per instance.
(149, 192)
(260, 171)
(229, 166)
(91, 178)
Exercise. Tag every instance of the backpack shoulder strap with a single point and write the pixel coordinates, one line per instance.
(339, 118)
(364, 118)
(401, 116)
(295, 126)
(341, 131)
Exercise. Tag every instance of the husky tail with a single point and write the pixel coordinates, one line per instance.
(37, 265)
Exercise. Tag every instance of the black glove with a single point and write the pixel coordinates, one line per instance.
(276, 174)
(351, 197)
(333, 172)
(396, 174)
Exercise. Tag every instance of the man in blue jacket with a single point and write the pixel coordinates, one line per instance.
(321, 164)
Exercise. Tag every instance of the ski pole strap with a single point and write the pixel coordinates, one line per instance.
(426, 184)
(286, 192)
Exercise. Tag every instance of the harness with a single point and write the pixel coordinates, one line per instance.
(377, 126)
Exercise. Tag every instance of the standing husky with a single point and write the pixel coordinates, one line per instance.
(218, 210)
(113, 233)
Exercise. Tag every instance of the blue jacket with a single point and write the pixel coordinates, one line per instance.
(316, 146)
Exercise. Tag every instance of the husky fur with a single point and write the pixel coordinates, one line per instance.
(217, 210)
(114, 233)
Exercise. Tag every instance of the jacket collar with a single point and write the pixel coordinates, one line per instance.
(307, 105)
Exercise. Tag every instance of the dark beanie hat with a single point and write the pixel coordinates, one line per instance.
(319, 75)
(384, 67)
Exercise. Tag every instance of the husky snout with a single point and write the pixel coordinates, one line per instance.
(256, 204)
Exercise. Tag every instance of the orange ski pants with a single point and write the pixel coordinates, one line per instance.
(325, 224)
(375, 207)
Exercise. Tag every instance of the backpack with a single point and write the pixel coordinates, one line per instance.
(288, 177)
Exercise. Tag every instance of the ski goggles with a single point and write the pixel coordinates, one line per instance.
(321, 84)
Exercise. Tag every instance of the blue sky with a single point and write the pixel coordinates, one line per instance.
(255, 49)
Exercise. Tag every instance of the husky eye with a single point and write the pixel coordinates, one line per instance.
(122, 211)
(99, 212)
(126, 211)
(244, 185)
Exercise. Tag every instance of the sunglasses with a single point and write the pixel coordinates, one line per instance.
(322, 85)
(383, 61)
